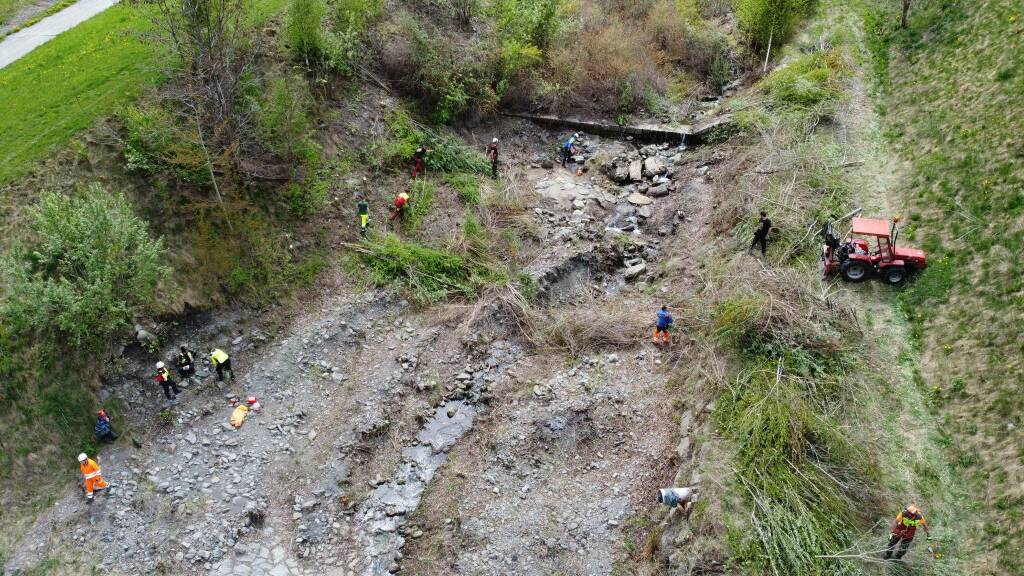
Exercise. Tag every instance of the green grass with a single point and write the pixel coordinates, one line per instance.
(426, 274)
(79, 77)
(950, 88)
(68, 83)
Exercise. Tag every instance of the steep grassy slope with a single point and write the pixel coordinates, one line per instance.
(954, 100)
(822, 428)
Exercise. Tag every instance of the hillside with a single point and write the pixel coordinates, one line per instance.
(471, 387)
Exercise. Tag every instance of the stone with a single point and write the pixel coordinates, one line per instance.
(654, 166)
(644, 212)
(659, 191)
(633, 272)
(636, 170)
(638, 199)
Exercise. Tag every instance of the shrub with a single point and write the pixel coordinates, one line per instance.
(281, 108)
(427, 274)
(155, 141)
(448, 153)
(684, 40)
(612, 70)
(304, 31)
(466, 185)
(449, 79)
(91, 266)
(764, 21)
(809, 80)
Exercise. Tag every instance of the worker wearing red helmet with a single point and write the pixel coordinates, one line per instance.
(903, 530)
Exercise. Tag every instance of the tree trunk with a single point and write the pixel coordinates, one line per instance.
(769, 51)
(903, 16)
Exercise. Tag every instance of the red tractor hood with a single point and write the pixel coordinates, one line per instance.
(910, 254)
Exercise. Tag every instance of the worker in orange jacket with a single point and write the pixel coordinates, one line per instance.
(903, 530)
(92, 478)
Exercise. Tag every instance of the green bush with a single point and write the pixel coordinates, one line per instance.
(156, 141)
(448, 153)
(282, 107)
(770, 20)
(91, 266)
(421, 202)
(304, 31)
(809, 80)
(427, 274)
(467, 185)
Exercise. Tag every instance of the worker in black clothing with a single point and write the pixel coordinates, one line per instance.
(419, 161)
(492, 155)
(761, 234)
(186, 362)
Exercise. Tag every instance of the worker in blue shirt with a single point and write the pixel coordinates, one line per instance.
(663, 326)
(569, 148)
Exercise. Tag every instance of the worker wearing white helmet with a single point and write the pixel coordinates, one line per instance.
(163, 377)
(91, 475)
(569, 148)
(492, 155)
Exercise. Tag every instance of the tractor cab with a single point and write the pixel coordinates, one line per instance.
(869, 250)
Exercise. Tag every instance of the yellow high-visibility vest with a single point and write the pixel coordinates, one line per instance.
(218, 356)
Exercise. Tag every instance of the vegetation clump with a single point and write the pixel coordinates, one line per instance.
(91, 266)
(427, 274)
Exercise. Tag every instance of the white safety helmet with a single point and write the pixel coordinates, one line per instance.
(159, 365)
(495, 140)
(576, 135)
(82, 457)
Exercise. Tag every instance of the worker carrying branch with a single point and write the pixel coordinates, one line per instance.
(903, 530)
(418, 161)
(91, 476)
(400, 204)
(663, 326)
(222, 362)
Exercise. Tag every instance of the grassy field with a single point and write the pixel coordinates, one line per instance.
(68, 83)
(76, 79)
(951, 90)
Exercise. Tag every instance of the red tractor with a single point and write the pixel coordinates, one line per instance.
(856, 259)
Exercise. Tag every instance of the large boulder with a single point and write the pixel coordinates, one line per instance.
(638, 199)
(636, 168)
(654, 166)
(658, 191)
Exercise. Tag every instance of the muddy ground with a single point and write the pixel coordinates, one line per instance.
(395, 440)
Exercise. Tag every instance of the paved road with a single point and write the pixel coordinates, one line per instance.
(20, 43)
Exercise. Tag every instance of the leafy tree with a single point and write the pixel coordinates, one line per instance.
(92, 264)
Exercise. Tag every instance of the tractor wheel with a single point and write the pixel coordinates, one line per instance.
(855, 270)
(894, 276)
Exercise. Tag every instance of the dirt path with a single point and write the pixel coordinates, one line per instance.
(17, 45)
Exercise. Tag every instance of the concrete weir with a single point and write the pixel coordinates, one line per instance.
(686, 134)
